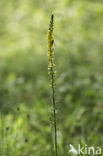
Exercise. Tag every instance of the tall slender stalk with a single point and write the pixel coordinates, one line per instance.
(52, 73)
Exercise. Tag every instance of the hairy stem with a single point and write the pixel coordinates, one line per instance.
(54, 111)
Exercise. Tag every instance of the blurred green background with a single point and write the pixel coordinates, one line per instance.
(24, 83)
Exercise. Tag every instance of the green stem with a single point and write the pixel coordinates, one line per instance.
(54, 110)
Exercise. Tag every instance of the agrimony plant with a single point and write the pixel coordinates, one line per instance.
(52, 73)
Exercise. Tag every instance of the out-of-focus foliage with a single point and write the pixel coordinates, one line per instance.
(24, 80)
